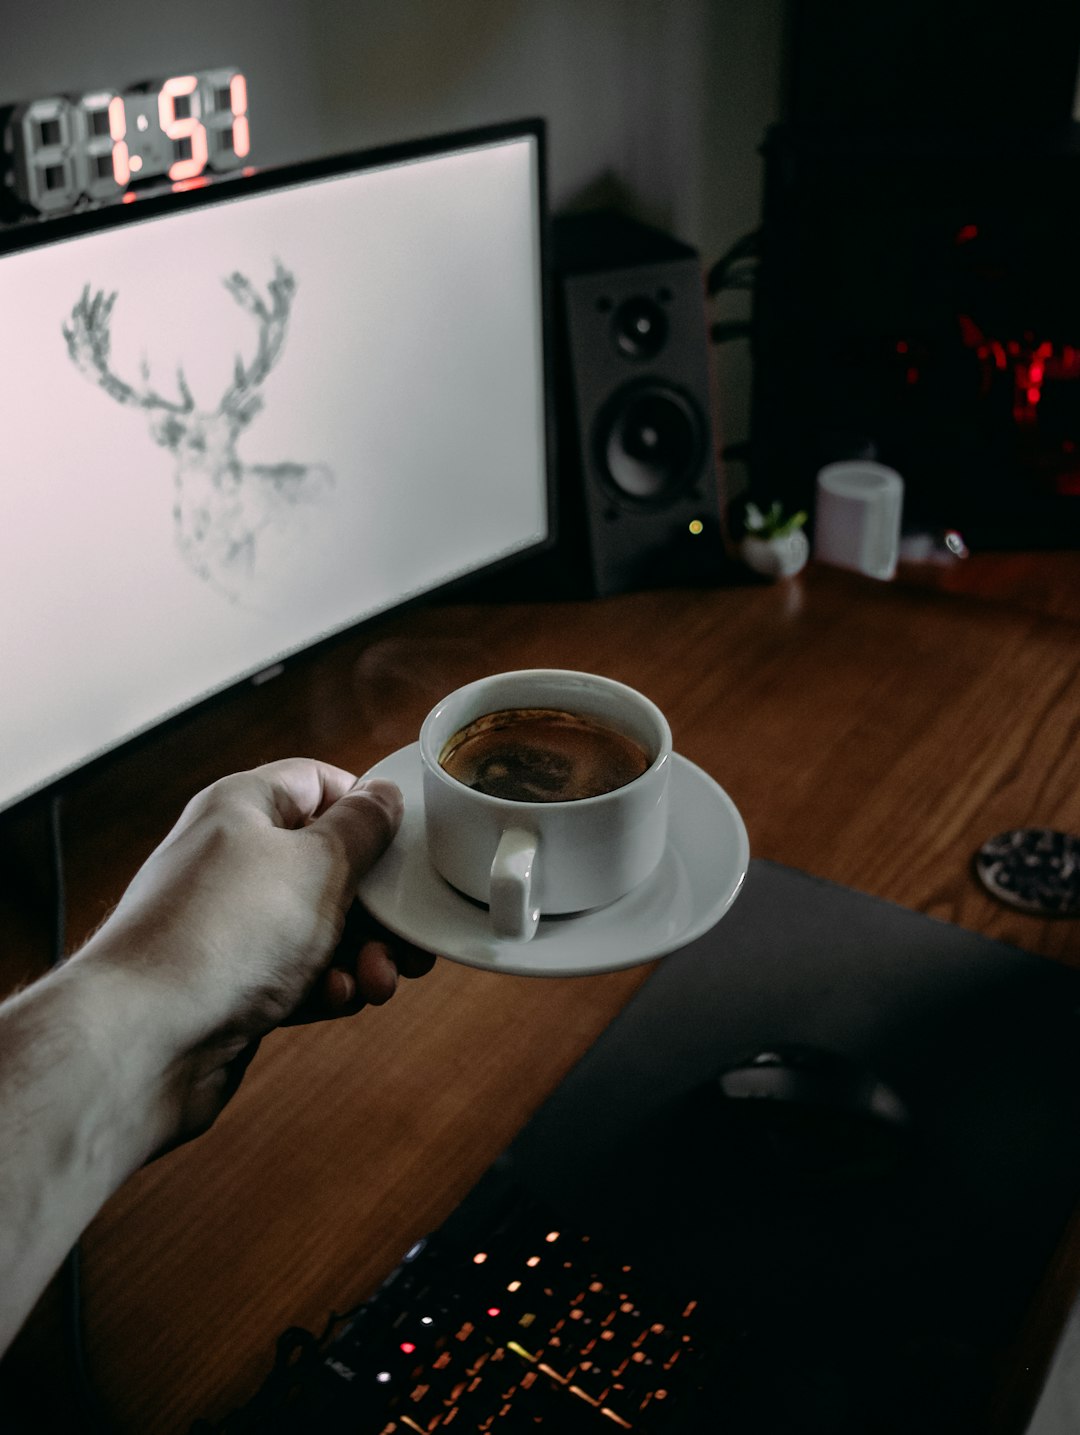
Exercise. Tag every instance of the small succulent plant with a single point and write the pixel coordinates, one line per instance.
(772, 523)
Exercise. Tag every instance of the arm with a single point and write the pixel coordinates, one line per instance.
(242, 920)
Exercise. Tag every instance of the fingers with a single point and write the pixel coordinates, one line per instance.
(373, 959)
(411, 961)
(379, 964)
(363, 813)
(298, 792)
(343, 990)
(371, 982)
(288, 793)
(363, 971)
(337, 991)
(364, 820)
(376, 974)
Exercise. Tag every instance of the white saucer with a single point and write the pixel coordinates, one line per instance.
(697, 880)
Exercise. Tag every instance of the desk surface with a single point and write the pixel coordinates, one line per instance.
(873, 734)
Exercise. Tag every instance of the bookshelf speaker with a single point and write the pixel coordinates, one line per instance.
(639, 494)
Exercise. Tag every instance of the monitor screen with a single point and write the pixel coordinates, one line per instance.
(241, 420)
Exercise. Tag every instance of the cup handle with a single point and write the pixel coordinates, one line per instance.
(513, 914)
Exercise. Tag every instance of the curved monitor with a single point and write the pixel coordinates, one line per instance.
(242, 419)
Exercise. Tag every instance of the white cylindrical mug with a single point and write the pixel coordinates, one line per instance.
(527, 859)
(857, 516)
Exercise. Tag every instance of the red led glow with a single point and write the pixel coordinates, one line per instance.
(238, 103)
(200, 181)
(1030, 363)
(117, 133)
(238, 94)
(121, 164)
(117, 118)
(407, 1346)
(493, 1310)
(180, 127)
(241, 136)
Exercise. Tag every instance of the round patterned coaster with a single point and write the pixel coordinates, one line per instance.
(1033, 868)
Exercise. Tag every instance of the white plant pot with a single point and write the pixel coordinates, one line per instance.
(775, 557)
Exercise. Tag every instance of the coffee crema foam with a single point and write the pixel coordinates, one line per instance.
(542, 755)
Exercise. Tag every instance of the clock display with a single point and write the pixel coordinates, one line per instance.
(67, 151)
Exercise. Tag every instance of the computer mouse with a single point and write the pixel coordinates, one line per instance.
(809, 1114)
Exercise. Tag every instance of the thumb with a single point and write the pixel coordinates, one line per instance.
(364, 820)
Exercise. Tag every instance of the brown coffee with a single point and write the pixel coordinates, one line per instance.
(542, 755)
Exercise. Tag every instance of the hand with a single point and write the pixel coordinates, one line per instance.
(245, 918)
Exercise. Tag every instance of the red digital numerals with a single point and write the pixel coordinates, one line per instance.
(70, 150)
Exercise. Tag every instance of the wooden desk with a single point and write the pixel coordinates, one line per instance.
(874, 734)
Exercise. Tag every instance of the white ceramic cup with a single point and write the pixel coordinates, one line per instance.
(857, 517)
(527, 859)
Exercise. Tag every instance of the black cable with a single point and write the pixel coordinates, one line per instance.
(746, 248)
(94, 1421)
(56, 852)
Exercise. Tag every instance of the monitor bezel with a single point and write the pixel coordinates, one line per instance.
(158, 202)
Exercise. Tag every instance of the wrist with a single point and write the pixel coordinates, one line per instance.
(183, 1057)
(156, 975)
(85, 1099)
(123, 1040)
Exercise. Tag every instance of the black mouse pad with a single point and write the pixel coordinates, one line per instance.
(874, 1289)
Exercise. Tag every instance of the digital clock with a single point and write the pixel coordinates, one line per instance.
(68, 151)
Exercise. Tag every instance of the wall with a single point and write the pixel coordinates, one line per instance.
(658, 104)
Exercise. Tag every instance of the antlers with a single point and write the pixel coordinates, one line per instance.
(239, 398)
(89, 342)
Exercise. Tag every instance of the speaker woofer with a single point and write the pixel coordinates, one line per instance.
(648, 443)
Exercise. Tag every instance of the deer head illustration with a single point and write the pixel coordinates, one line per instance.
(221, 505)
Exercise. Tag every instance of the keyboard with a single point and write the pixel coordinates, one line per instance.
(529, 1326)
